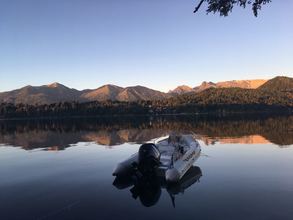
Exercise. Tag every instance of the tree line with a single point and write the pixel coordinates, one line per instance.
(183, 105)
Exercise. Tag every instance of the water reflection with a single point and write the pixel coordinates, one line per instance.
(77, 183)
(60, 134)
(148, 187)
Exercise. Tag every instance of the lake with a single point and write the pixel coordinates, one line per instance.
(62, 169)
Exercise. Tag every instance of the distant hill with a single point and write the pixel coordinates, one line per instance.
(205, 85)
(106, 92)
(51, 93)
(279, 83)
(244, 84)
(56, 92)
(180, 90)
(277, 91)
(136, 93)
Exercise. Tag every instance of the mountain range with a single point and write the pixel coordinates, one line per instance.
(244, 84)
(56, 92)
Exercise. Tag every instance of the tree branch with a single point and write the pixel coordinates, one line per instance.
(224, 7)
(198, 6)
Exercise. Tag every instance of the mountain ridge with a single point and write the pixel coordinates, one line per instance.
(275, 96)
(276, 91)
(56, 92)
(244, 84)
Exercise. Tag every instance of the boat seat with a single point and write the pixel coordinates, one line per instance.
(165, 159)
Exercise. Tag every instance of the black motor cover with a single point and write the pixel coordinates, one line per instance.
(148, 156)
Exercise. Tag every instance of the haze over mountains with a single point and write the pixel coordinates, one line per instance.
(56, 92)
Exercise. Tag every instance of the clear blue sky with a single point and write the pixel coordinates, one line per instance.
(155, 43)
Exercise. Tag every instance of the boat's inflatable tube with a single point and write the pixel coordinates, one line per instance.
(147, 158)
(126, 167)
(180, 167)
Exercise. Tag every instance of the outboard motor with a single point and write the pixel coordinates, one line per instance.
(148, 157)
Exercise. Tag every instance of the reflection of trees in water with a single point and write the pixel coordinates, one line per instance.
(59, 134)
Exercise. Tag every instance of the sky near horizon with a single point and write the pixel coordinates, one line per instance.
(155, 43)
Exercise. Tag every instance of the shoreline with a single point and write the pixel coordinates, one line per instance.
(200, 114)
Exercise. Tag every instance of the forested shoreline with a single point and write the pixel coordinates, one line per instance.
(108, 108)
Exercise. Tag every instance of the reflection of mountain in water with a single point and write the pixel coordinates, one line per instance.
(250, 139)
(59, 134)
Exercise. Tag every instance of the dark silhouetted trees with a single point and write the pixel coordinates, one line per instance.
(224, 7)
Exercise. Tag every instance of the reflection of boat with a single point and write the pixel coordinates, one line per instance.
(170, 157)
(148, 187)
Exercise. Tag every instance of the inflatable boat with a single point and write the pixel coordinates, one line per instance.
(170, 157)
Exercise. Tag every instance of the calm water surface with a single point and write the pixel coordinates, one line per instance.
(63, 169)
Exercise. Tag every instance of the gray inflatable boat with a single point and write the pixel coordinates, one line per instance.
(171, 157)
